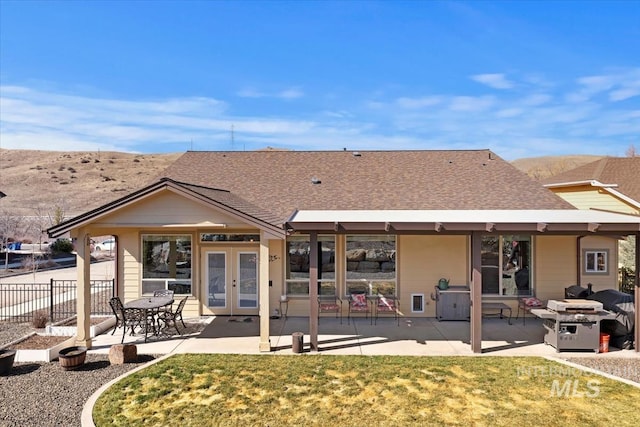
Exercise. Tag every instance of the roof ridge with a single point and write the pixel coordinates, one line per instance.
(602, 164)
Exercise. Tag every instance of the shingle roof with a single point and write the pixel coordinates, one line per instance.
(622, 171)
(224, 199)
(281, 181)
(233, 201)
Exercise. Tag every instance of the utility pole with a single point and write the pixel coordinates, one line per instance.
(232, 137)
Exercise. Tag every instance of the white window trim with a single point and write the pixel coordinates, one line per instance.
(595, 253)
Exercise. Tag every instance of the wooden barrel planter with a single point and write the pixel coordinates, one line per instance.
(6, 361)
(72, 357)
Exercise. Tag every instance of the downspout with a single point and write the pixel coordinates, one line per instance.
(637, 296)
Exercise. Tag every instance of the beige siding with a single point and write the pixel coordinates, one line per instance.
(587, 197)
(276, 273)
(555, 266)
(423, 260)
(600, 281)
(168, 208)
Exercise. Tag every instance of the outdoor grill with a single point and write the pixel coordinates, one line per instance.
(573, 324)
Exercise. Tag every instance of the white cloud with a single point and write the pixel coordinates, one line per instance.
(495, 81)
(416, 103)
(471, 103)
(525, 122)
(290, 93)
(537, 99)
(617, 86)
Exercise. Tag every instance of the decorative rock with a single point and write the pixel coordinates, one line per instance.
(123, 353)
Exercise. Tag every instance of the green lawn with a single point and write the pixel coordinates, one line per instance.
(270, 390)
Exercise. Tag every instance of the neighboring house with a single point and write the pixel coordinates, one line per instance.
(237, 230)
(609, 184)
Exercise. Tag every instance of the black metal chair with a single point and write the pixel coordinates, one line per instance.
(118, 311)
(171, 318)
(129, 317)
(163, 293)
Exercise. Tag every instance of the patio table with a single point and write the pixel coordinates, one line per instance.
(497, 306)
(149, 305)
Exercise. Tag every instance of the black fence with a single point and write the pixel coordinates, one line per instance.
(56, 300)
(626, 280)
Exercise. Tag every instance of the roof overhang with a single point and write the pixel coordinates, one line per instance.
(591, 182)
(609, 188)
(567, 221)
(93, 216)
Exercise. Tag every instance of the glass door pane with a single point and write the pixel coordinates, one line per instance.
(491, 265)
(248, 275)
(217, 279)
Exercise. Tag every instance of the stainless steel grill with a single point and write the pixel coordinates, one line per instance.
(573, 324)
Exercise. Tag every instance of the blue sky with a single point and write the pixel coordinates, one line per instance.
(523, 78)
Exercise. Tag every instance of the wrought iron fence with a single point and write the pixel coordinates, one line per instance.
(626, 280)
(56, 299)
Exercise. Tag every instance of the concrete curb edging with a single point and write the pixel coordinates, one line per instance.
(86, 418)
(593, 371)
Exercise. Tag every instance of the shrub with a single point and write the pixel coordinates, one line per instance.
(61, 246)
(40, 319)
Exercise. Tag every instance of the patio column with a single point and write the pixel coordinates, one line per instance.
(83, 291)
(313, 290)
(263, 280)
(637, 296)
(476, 292)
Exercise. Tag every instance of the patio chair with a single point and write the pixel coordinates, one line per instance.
(163, 293)
(330, 304)
(129, 318)
(387, 305)
(526, 305)
(171, 318)
(358, 303)
(118, 311)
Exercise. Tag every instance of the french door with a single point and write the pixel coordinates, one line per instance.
(231, 281)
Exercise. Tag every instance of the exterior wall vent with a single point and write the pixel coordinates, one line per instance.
(315, 180)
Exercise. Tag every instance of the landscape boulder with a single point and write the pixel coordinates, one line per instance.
(123, 353)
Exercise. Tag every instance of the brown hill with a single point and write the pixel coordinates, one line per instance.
(41, 182)
(544, 167)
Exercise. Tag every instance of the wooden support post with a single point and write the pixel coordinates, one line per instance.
(637, 296)
(263, 280)
(83, 264)
(313, 290)
(476, 292)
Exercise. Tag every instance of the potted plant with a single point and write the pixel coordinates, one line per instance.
(6, 360)
(72, 357)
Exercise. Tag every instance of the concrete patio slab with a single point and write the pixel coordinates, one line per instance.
(412, 337)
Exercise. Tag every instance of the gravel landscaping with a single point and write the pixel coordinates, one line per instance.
(43, 394)
(620, 367)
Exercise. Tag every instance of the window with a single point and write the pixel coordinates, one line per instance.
(371, 264)
(229, 237)
(298, 251)
(166, 263)
(506, 265)
(596, 261)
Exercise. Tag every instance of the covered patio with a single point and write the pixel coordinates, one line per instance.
(413, 337)
(472, 223)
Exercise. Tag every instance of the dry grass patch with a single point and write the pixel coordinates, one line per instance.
(213, 390)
